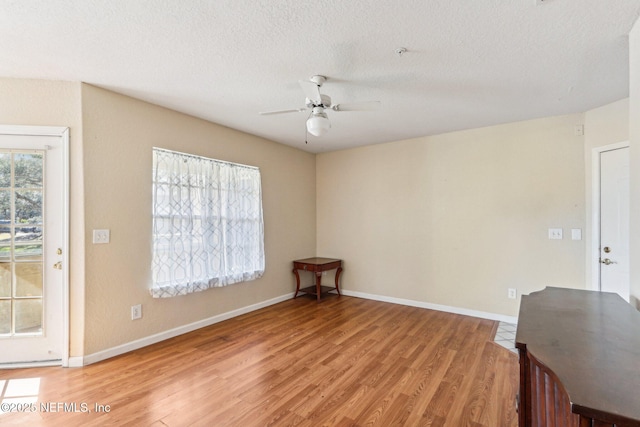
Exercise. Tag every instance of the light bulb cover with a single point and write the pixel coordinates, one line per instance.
(318, 124)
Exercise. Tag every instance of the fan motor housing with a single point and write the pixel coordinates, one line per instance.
(326, 102)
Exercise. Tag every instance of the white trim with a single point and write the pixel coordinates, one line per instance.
(153, 339)
(75, 362)
(34, 130)
(30, 364)
(65, 244)
(430, 306)
(595, 211)
(63, 133)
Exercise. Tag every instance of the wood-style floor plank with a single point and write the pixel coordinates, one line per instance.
(342, 362)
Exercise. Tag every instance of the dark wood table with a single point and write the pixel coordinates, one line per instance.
(579, 359)
(317, 266)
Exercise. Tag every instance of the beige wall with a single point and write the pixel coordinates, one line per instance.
(456, 219)
(51, 103)
(634, 140)
(119, 133)
(605, 125)
(453, 219)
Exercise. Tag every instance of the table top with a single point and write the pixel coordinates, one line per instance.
(317, 261)
(590, 340)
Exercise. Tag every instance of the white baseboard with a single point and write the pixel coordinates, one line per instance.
(152, 339)
(421, 304)
(75, 362)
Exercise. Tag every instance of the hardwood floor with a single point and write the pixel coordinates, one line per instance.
(342, 362)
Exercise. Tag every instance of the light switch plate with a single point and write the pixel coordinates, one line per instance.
(101, 236)
(555, 234)
(576, 234)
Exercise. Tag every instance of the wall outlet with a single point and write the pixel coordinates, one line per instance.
(101, 236)
(136, 311)
(512, 293)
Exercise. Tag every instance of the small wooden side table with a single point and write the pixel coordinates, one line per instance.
(317, 266)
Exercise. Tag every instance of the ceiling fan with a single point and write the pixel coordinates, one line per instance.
(318, 123)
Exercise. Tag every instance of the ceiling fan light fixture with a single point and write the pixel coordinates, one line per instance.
(318, 124)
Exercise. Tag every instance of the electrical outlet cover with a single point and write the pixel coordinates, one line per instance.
(136, 311)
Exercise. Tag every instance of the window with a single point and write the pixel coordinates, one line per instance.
(208, 229)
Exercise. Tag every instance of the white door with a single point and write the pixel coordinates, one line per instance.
(614, 221)
(32, 246)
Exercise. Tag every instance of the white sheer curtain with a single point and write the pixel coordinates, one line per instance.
(208, 229)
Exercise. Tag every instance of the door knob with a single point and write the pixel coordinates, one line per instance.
(58, 265)
(607, 261)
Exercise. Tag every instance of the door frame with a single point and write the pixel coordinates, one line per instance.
(594, 251)
(63, 133)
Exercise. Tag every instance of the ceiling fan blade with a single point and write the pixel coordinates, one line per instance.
(357, 106)
(311, 91)
(297, 110)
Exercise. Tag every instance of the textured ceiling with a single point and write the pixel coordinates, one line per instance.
(469, 63)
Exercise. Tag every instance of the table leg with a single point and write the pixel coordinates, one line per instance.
(318, 284)
(337, 278)
(295, 271)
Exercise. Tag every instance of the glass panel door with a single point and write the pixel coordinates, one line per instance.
(21, 242)
(33, 246)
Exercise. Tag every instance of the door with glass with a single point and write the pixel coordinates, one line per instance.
(31, 248)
